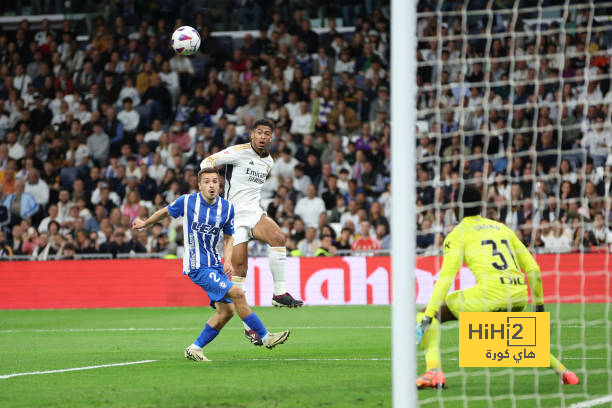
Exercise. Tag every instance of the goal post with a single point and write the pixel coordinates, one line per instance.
(403, 143)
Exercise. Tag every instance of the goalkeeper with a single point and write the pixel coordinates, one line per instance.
(495, 256)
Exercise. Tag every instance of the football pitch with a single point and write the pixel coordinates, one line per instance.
(335, 357)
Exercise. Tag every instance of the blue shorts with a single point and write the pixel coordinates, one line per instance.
(214, 281)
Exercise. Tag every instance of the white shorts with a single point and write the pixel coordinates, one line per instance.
(244, 222)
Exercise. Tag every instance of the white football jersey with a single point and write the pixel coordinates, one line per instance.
(245, 175)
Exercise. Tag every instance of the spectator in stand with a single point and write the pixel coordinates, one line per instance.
(556, 238)
(44, 249)
(381, 102)
(129, 118)
(310, 244)
(37, 188)
(5, 248)
(364, 242)
(98, 145)
(18, 236)
(139, 243)
(383, 236)
(309, 207)
(180, 137)
(371, 181)
(93, 224)
(600, 235)
(145, 79)
(425, 238)
(343, 119)
(326, 247)
(284, 167)
(117, 244)
(252, 109)
(301, 122)
(332, 193)
(21, 205)
(344, 240)
(132, 205)
(598, 142)
(66, 252)
(300, 180)
(153, 135)
(363, 142)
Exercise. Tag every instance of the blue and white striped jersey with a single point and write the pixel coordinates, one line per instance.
(202, 225)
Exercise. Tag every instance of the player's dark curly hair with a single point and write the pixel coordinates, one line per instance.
(264, 122)
(471, 200)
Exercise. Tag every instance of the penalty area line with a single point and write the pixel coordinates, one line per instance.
(64, 370)
(592, 403)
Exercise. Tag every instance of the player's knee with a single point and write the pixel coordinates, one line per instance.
(277, 239)
(240, 268)
(226, 314)
(239, 297)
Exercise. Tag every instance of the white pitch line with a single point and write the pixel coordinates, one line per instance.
(128, 329)
(64, 370)
(135, 329)
(319, 359)
(592, 403)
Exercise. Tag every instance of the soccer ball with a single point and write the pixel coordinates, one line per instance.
(185, 40)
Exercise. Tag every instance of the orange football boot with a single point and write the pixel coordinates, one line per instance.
(570, 378)
(431, 379)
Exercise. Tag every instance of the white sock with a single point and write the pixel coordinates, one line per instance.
(266, 338)
(278, 267)
(240, 281)
(195, 346)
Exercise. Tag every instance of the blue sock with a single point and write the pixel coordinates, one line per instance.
(207, 335)
(256, 325)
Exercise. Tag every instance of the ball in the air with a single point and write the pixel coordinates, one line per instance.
(185, 40)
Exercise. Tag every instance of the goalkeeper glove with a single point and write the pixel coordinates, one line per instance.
(538, 308)
(421, 328)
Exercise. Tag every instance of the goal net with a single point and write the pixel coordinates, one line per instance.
(515, 97)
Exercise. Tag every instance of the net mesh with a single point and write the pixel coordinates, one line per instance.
(514, 97)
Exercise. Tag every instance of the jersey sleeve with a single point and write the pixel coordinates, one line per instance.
(177, 208)
(453, 259)
(531, 268)
(228, 227)
(225, 156)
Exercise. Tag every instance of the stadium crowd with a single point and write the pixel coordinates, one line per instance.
(95, 134)
(521, 109)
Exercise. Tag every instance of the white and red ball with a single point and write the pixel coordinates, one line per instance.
(185, 40)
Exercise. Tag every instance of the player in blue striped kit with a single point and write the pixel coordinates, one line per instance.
(205, 215)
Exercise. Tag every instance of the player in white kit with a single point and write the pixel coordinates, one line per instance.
(248, 167)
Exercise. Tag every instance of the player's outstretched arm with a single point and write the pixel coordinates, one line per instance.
(453, 258)
(225, 156)
(156, 217)
(531, 268)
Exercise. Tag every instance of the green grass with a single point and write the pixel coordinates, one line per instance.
(301, 373)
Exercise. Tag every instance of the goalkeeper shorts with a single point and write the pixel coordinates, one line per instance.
(493, 298)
